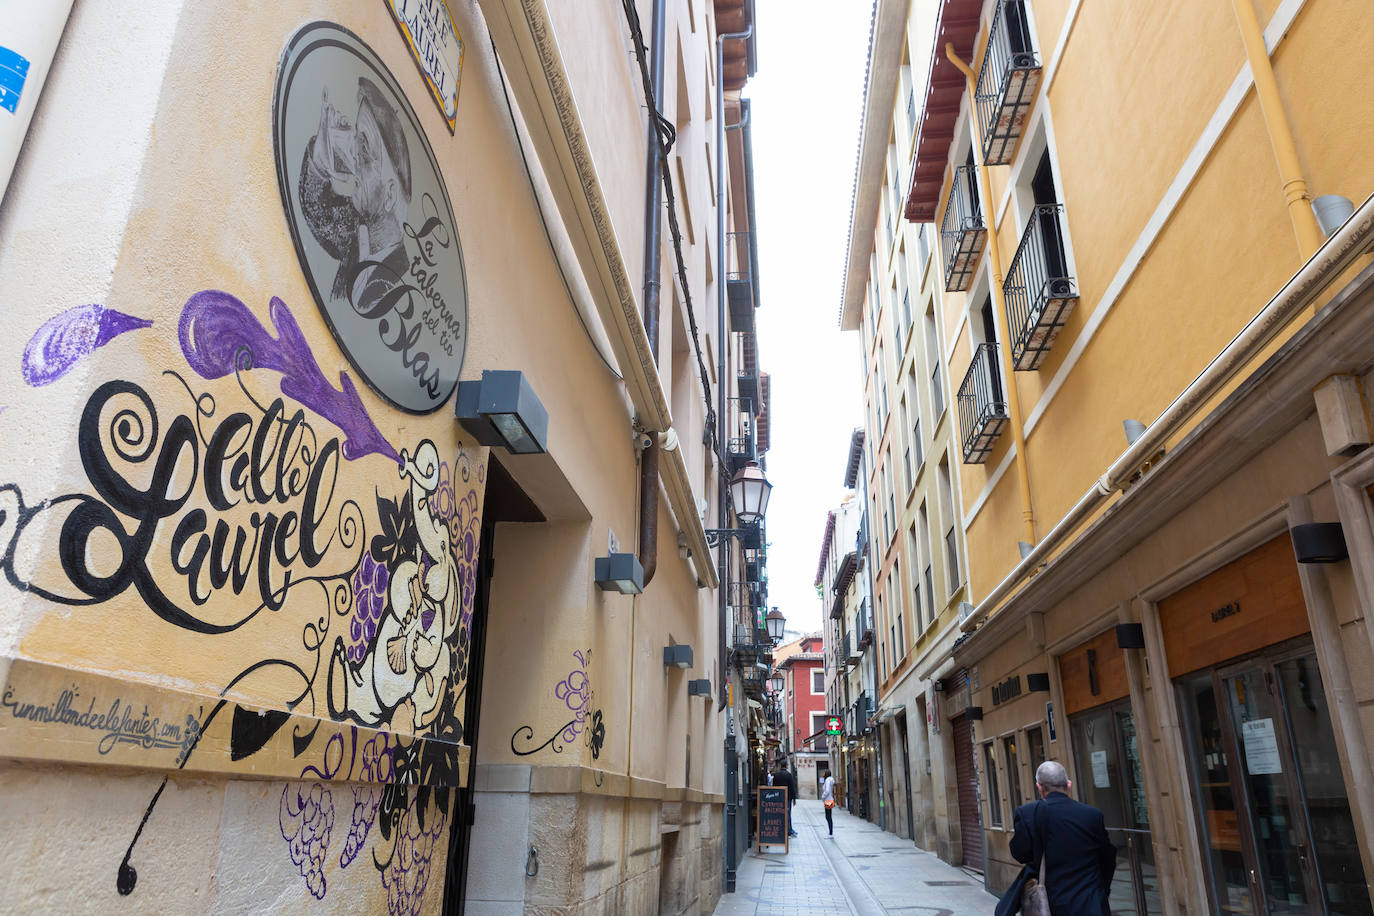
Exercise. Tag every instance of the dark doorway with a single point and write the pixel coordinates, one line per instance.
(504, 501)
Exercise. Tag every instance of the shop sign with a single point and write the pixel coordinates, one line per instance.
(370, 216)
(1004, 691)
(1222, 613)
(772, 816)
(834, 726)
(1049, 720)
(428, 29)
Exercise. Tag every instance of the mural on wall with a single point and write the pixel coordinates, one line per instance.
(575, 692)
(219, 501)
(370, 216)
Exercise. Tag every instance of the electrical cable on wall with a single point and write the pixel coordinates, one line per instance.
(543, 221)
(667, 137)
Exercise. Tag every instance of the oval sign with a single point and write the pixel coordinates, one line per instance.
(370, 217)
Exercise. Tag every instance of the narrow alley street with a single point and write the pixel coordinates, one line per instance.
(863, 871)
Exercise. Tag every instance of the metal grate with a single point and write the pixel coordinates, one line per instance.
(1007, 83)
(1039, 293)
(962, 230)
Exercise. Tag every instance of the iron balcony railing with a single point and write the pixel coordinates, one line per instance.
(962, 230)
(740, 282)
(1039, 292)
(1007, 83)
(982, 405)
(864, 623)
(747, 597)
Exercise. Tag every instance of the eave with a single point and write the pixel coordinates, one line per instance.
(945, 86)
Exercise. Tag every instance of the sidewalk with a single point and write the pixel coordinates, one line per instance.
(862, 871)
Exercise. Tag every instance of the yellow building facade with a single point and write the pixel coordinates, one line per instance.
(914, 556)
(338, 575)
(1153, 234)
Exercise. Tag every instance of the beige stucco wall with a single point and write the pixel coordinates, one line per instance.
(148, 176)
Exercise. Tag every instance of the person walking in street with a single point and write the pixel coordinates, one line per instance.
(828, 798)
(784, 777)
(1071, 837)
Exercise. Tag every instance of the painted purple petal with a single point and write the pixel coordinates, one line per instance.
(426, 618)
(219, 334)
(68, 337)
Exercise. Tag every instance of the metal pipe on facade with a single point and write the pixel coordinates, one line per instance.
(1000, 312)
(1280, 134)
(1341, 250)
(722, 559)
(653, 245)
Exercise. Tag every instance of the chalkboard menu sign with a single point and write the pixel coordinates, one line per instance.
(772, 816)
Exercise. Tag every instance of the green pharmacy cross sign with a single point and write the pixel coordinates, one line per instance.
(833, 726)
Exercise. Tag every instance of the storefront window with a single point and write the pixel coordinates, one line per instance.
(1035, 748)
(1013, 772)
(994, 794)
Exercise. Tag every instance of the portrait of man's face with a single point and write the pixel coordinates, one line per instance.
(377, 191)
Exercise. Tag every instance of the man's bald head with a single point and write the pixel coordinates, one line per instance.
(1052, 777)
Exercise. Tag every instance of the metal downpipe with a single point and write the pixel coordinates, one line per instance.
(653, 244)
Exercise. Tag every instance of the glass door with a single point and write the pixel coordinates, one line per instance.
(1273, 811)
(1110, 779)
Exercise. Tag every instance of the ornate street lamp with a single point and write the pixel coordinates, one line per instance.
(776, 623)
(749, 493)
(776, 683)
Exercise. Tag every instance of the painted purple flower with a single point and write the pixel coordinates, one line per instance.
(369, 601)
(69, 337)
(365, 802)
(306, 816)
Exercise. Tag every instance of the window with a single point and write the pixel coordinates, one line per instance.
(818, 721)
(922, 248)
(1013, 771)
(947, 512)
(994, 792)
(915, 580)
(937, 392)
(924, 518)
(914, 423)
(818, 682)
(1035, 748)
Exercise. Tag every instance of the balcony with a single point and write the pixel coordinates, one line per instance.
(962, 230)
(1039, 293)
(854, 653)
(739, 284)
(865, 624)
(748, 385)
(739, 451)
(982, 406)
(1007, 83)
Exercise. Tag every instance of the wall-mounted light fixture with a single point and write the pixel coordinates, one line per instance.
(776, 683)
(503, 410)
(1038, 682)
(620, 572)
(776, 623)
(701, 687)
(1130, 636)
(678, 656)
(1319, 542)
(975, 713)
(749, 493)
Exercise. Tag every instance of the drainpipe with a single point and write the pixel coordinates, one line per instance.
(1350, 242)
(1305, 226)
(1000, 312)
(722, 559)
(653, 236)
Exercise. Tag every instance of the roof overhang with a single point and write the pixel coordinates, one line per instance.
(825, 547)
(885, 36)
(945, 86)
(856, 454)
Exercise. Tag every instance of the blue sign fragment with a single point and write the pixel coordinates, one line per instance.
(14, 70)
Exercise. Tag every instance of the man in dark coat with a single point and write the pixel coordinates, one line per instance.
(1079, 858)
(784, 777)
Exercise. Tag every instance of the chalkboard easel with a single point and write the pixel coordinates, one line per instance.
(771, 814)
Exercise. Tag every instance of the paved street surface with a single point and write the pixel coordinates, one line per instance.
(862, 871)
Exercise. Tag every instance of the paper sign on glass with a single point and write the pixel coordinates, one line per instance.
(1261, 747)
(1100, 778)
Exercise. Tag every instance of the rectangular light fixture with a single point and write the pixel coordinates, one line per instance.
(678, 656)
(700, 687)
(502, 410)
(620, 572)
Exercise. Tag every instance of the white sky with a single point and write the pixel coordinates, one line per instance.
(807, 100)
